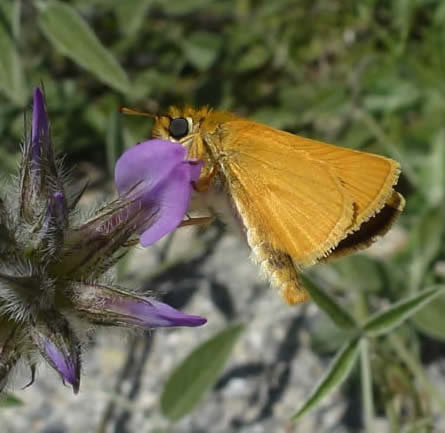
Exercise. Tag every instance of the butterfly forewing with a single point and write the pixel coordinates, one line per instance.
(285, 200)
(367, 178)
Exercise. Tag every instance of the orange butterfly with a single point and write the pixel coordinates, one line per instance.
(298, 201)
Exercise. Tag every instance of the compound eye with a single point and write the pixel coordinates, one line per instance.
(179, 127)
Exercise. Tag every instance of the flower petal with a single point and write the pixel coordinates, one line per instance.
(149, 162)
(159, 174)
(61, 360)
(40, 127)
(154, 314)
(59, 346)
(171, 198)
(195, 167)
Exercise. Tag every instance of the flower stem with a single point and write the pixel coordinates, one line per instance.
(367, 395)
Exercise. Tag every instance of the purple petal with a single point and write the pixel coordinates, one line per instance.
(195, 167)
(149, 162)
(59, 346)
(149, 313)
(65, 363)
(40, 128)
(163, 181)
(112, 306)
(172, 200)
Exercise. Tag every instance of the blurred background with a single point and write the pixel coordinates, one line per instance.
(367, 75)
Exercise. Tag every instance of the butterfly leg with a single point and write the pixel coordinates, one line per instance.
(204, 182)
(192, 221)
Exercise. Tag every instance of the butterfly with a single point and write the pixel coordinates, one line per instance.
(297, 201)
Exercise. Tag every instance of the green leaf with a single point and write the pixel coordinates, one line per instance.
(71, 34)
(383, 322)
(15, 15)
(396, 96)
(132, 14)
(325, 338)
(338, 371)
(359, 273)
(327, 304)
(10, 400)
(434, 171)
(426, 242)
(202, 49)
(197, 373)
(430, 320)
(181, 7)
(254, 58)
(115, 139)
(12, 80)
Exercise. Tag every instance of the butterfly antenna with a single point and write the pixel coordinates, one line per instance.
(133, 112)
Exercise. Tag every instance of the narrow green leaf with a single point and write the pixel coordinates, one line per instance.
(426, 241)
(383, 322)
(434, 171)
(338, 371)
(12, 80)
(115, 139)
(197, 373)
(16, 12)
(327, 304)
(10, 400)
(71, 34)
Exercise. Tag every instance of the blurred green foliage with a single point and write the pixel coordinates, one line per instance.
(367, 75)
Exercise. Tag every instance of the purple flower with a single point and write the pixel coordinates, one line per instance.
(54, 264)
(157, 173)
(40, 178)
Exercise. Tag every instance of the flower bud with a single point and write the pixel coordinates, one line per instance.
(110, 306)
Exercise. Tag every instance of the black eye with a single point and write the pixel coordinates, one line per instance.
(179, 127)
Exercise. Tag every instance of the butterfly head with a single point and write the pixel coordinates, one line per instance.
(180, 124)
